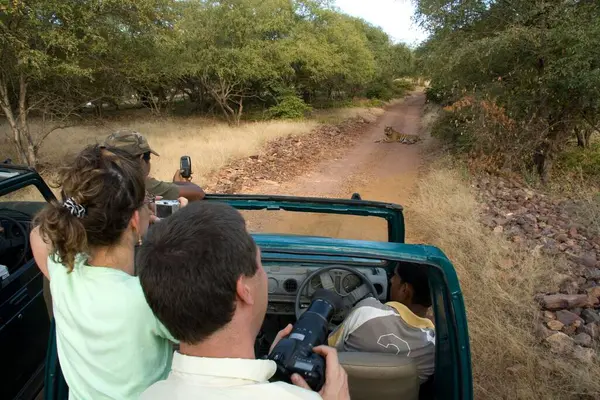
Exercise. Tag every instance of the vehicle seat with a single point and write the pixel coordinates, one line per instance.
(381, 376)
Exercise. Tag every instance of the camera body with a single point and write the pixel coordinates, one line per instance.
(185, 165)
(166, 208)
(294, 354)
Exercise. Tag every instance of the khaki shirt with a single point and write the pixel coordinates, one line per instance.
(388, 328)
(167, 190)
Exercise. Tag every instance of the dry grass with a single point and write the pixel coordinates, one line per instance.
(335, 116)
(499, 282)
(210, 144)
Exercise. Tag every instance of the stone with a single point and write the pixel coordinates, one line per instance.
(518, 239)
(592, 329)
(562, 237)
(498, 230)
(555, 302)
(488, 221)
(567, 317)
(593, 301)
(531, 218)
(585, 355)
(542, 331)
(549, 315)
(569, 287)
(590, 316)
(583, 339)
(530, 229)
(569, 330)
(500, 221)
(555, 325)
(592, 274)
(560, 343)
(594, 292)
(551, 248)
(573, 231)
(589, 260)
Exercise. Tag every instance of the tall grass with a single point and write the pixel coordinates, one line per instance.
(211, 144)
(499, 281)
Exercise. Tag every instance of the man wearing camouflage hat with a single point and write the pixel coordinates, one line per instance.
(137, 145)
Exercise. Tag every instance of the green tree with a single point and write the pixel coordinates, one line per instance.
(538, 60)
(50, 49)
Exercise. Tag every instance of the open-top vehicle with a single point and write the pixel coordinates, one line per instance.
(296, 266)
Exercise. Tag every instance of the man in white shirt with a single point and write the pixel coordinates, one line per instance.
(202, 276)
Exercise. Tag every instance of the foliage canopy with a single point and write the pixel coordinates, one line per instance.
(220, 56)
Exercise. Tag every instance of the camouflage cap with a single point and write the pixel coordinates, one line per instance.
(130, 141)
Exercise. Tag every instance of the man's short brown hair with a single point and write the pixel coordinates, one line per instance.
(190, 264)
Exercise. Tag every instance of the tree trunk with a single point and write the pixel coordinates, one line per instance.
(20, 137)
(588, 137)
(580, 137)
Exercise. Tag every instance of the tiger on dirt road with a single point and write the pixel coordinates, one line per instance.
(392, 135)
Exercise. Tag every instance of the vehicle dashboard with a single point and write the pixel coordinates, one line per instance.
(284, 280)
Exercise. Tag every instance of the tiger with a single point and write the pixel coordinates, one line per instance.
(392, 135)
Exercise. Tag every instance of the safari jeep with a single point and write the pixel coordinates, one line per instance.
(352, 259)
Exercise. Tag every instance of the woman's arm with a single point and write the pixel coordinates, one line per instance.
(40, 250)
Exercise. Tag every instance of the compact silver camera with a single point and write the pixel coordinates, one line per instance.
(166, 208)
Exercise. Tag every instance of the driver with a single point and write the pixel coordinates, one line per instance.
(202, 276)
(400, 326)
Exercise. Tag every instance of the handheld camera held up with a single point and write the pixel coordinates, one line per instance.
(166, 208)
(294, 354)
(185, 165)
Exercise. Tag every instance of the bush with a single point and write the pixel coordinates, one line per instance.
(439, 94)
(379, 90)
(401, 86)
(577, 162)
(455, 130)
(289, 107)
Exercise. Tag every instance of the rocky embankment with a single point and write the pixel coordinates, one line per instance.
(285, 158)
(570, 309)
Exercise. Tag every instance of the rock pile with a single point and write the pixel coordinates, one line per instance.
(285, 158)
(529, 218)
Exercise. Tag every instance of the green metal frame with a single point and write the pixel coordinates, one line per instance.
(392, 213)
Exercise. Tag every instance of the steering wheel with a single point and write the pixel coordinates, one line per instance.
(11, 242)
(349, 300)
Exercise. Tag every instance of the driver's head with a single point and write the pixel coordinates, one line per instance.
(410, 285)
(133, 143)
(201, 273)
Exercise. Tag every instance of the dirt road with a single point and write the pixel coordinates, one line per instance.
(378, 171)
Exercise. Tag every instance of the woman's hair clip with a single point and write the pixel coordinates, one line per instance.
(76, 209)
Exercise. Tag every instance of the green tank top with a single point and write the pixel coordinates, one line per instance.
(110, 345)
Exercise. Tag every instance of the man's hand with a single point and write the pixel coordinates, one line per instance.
(178, 178)
(152, 206)
(336, 379)
(280, 335)
(182, 202)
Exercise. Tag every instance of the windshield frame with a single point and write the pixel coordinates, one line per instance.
(392, 213)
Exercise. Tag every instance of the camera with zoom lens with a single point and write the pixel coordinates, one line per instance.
(294, 354)
(166, 208)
